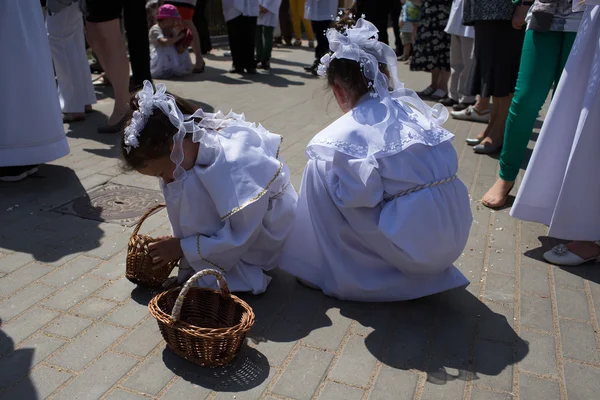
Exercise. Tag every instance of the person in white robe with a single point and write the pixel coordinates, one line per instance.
(381, 214)
(228, 194)
(268, 16)
(31, 128)
(67, 45)
(561, 187)
(241, 17)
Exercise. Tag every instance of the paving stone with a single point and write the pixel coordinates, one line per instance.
(542, 354)
(22, 277)
(482, 394)
(335, 391)
(71, 271)
(123, 395)
(333, 328)
(98, 378)
(595, 289)
(496, 325)
(311, 365)
(151, 377)
(19, 302)
(536, 312)
(499, 288)
(111, 246)
(26, 324)
(94, 307)
(572, 304)
(83, 350)
(129, 313)
(493, 365)
(578, 341)
(39, 385)
(118, 290)
(356, 364)
(583, 382)
(142, 339)
(564, 277)
(68, 326)
(394, 383)
(74, 293)
(532, 388)
(502, 261)
(182, 389)
(113, 268)
(535, 280)
(249, 387)
(14, 261)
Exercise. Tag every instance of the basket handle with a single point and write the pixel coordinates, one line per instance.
(145, 216)
(176, 313)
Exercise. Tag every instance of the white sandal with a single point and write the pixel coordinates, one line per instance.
(561, 255)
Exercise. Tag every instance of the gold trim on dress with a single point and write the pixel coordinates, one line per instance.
(262, 192)
(204, 259)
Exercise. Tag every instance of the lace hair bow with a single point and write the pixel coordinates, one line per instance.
(360, 43)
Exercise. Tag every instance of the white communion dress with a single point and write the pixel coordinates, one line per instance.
(234, 209)
(561, 187)
(381, 215)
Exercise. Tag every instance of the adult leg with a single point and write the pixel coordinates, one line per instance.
(199, 67)
(248, 44)
(306, 23)
(395, 10)
(456, 67)
(136, 30)
(442, 80)
(202, 27)
(268, 41)
(285, 21)
(259, 43)
(319, 27)
(541, 65)
(233, 33)
(466, 54)
(296, 5)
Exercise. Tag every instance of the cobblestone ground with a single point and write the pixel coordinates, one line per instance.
(74, 328)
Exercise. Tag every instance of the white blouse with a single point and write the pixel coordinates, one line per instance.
(235, 8)
(320, 10)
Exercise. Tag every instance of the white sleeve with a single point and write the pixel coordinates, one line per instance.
(355, 183)
(225, 248)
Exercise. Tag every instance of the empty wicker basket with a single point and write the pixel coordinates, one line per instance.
(139, 267)
(204, 326)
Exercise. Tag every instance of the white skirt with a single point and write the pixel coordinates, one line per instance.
(165, 61)
(31, 128)
(400, 250)
(561, 187)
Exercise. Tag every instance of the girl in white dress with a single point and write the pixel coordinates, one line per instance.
(228, 194)
(561, 187)
(168, 51)
(381, 214)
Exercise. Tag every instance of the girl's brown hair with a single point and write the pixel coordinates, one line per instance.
(348, 73)
(156, 139)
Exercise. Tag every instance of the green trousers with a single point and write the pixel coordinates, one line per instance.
(264, 42)
(542, 62)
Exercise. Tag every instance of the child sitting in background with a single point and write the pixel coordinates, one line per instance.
(267, 21)
(169, 41)
(228, 194)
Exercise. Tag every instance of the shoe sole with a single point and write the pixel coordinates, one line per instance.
(20, 177)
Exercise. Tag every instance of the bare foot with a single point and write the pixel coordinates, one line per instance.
(585, 250)
(498, 194)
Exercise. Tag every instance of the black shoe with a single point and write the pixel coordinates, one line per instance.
(461, 106)
(252, 71)
(266, 65)
(236, 71)
(313, 68)
(96, 68)
(448, 102)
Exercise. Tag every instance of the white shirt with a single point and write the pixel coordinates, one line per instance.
(271, 17)
(455, 25)
(320, 10)
(234, 8)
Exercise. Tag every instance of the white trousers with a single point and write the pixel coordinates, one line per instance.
(67, 45)
(461, 56)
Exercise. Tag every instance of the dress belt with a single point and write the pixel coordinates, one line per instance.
(421, 187)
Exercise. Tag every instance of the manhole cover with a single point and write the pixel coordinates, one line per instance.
(113, 203)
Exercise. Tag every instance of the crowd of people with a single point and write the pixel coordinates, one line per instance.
(381, 214)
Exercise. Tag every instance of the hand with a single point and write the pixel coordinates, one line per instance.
(262, 10)
(518, 19)
(164, 251)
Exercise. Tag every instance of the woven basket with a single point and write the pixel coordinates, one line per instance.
(139, 267)
(204, 326)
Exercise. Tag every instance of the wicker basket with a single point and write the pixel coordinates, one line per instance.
(205, 326)
(139, 267)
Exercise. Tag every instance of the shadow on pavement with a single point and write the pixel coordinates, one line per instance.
(248, 370)
(31, 227)
(15, 366)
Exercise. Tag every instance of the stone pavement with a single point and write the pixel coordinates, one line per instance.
(74, 328)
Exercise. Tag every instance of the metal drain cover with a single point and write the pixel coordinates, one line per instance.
(113, 203)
